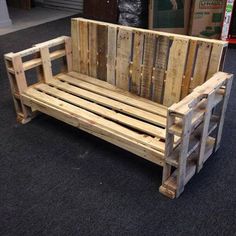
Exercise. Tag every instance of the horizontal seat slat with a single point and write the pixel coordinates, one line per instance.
(108, 102)
(103, 111)
(112, 91)
(107, 135)
(95, 120)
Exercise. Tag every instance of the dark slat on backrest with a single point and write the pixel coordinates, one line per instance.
(159, 66)
(124, 50)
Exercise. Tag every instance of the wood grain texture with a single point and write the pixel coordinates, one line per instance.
(159, 73)
(201, 65)
(46, 63)
(215, 60)
(102, 39)
(111, 55)
(75, 45)
(83, 47)
(148, 62)
(93, 50)
(175, 71)
(124, 43)
(189, 68)
(137, 63)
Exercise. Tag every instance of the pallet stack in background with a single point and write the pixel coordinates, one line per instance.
(202, 18)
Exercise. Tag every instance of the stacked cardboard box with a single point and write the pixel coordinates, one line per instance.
(207, 18)
(169, 15)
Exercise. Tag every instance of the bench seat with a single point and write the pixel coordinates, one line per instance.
(104, 110)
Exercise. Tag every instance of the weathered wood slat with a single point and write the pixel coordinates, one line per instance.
(201, 65)
(111, 55)
(92, 50)
(75, 45)
(102, 37)
(46, 62)
(117, 95)
(105, 101)
(95, 120)
(83, 47)
(215, 60)
(148, 61)
(103, 111)
(162, 53)
(106, 134)
(124, 43)
(189, 68)
(136, 68)
(175, 71)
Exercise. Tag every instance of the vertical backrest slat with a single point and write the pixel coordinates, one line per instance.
(201, 65)
(189, 68)
(102, 39)
(92, 49)
(124, 44)
(137, 62)
(111, 54)
(175, 70)
(75, 44)
(159, 66)
(148, 62)
(83, 47)
(215, 60)
(162, 54)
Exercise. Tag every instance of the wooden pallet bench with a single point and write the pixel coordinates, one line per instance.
(160, 96)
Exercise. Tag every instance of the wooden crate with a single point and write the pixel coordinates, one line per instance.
(158, 95)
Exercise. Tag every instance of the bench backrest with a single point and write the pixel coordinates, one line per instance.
(160, 66)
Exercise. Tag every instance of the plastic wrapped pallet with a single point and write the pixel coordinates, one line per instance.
(133, 12)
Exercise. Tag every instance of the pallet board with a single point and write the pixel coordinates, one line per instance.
(151, 93)
(145, 62)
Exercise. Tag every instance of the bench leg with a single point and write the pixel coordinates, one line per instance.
(18, 86)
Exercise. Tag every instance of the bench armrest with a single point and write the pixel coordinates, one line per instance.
(39, 56)
(193, 120)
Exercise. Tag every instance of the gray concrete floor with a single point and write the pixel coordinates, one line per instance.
(23, 19)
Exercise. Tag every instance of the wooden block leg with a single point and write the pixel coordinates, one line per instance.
(18, 86)
(223, 111)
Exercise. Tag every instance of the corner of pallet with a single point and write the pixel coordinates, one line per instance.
(167, 192)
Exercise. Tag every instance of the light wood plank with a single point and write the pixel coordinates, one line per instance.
(143, 103)
(68, 54)
(148, 64)
(202, 62)
(106, 134)
(175, 71)
(162, 53)
(75, 45)
(111, 55)
(137, 63)
(215, 60)
(118, 106)
(102, 37)
(124, 98)
(83, 47)
(124, 44)
(46, 63)
(189, 68)
(93, 119)
(102, 111)
(93, 50)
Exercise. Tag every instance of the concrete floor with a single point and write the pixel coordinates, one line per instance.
(23, 19)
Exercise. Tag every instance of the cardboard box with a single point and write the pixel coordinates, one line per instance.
(207, 18)
(169, 15)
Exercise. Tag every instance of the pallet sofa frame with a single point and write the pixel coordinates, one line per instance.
(160, 96)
